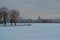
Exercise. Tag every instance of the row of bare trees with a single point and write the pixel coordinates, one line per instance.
(9, 15)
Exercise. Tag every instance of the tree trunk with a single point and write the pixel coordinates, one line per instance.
(4, 18)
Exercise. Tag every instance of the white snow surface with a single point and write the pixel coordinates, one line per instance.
(38, 31)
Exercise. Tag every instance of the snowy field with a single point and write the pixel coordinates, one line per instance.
(37, 31)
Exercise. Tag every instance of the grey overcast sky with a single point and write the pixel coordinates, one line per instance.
(34, 8)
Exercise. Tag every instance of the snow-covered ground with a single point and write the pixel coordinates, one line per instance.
(35, 32)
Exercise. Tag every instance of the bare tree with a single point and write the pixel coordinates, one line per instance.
(1, 17)
(3, 14)
(4, 11)
(14, 14)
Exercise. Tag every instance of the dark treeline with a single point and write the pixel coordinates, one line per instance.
(39, 20)
(13, 16)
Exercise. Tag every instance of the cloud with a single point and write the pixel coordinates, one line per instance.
(34, 8)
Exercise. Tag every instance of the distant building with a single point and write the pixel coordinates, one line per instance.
(38, 20)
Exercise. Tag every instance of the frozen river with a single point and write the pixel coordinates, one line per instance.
(34, 32)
